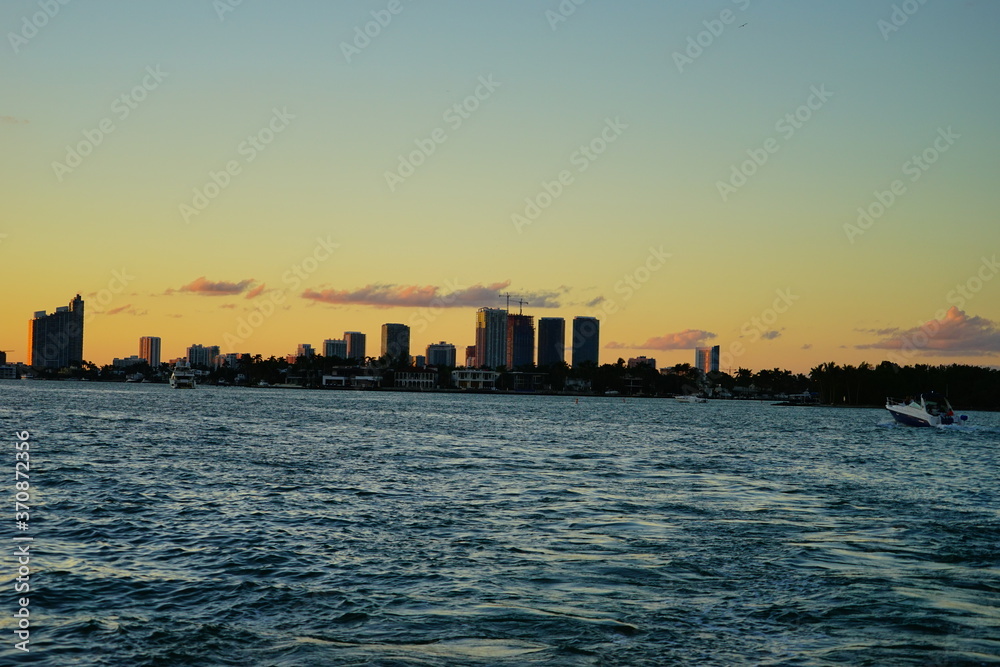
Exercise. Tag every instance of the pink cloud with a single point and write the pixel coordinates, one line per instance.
(953, 333)
(206, 287)
(682, 340)
(127, 309)
(415, 296)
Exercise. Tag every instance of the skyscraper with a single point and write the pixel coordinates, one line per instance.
(441, 354)
(56, 340)
(333, 347)
(551, 341)
(520, 340)
(706, 359)
(491, 337)
(201, 355)
(149, 349)
(355, 345)
(586, 340)
(396, 342)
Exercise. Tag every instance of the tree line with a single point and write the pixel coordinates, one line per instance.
(967, 387)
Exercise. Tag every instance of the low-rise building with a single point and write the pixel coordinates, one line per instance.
(415, 378)
(466, 378)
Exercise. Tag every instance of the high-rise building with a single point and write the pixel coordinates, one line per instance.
(149, 349)
(520, 340)
(586, 340)
(491, 337)
(355, 345)
(56, 340)
(706, 359)
(396, 341)
(441, 354)
(305, 350)
(470, 356)
(333, 347)
(202, 355)
(551, 341)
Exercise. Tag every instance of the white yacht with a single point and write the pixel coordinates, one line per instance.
(182, 377)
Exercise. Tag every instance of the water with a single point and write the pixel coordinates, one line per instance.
(228, 526)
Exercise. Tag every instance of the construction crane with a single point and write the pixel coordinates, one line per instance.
(517, 299)
(507, 295)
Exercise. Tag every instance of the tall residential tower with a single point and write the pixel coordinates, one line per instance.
(56, 340)
(149, 349)
(551, 341)
(586, 340)
(491, 337)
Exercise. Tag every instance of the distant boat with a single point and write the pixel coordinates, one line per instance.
(691, 399)
(928, 409)
(182, 377)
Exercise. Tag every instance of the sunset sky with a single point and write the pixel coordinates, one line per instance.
(257, 175)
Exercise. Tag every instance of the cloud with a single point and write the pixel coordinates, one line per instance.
(415, 296)
(954, 333)
(206, 287)
(13, 120)
(880, 332)
(770, 335)
(682, 340)
(256, 291)
(127, 309)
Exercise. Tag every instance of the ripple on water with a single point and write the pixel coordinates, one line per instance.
(230, 527)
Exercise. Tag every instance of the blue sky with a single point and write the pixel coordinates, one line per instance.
(558, 84)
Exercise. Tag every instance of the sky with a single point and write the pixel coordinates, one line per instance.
(797, 182)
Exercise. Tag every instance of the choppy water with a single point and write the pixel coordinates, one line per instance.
(227, 526)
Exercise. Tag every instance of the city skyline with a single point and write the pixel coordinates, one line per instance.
(796, 183)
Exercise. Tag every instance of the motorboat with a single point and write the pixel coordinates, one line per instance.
(691, 399)
(928, 409)
(182, 377)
